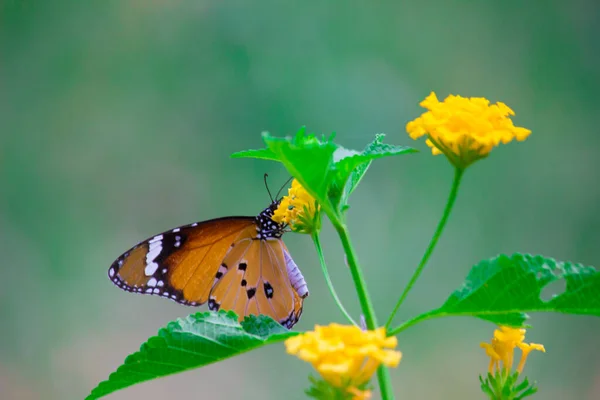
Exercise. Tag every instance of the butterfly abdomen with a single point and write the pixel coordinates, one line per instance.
(296, 277)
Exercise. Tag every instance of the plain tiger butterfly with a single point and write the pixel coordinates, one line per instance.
(231, 263)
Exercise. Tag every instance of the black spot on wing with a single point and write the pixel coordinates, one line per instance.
(213, 305)
(221, 271)
(268, 290)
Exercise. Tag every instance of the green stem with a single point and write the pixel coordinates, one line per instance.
(458, 173)
(413, 321)
(385, 383)
(317, 242)
(383, 375)
(357, 276)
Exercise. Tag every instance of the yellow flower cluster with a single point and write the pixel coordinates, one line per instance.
(346, 356)
(298, 210)
(502, 346)
(465, 129)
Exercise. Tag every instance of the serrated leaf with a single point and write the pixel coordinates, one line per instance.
(322, 167)
(503, 289)
(351, 167)
(198, 340)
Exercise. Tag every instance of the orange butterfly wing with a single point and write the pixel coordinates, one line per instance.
(233, 263)
(181, 263)
(257, 281)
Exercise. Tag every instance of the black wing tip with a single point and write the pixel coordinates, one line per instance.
(292, 319)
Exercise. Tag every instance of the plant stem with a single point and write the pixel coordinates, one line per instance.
(458, 173)
(317, 242)
(368, 311)
(357, 276)
(414, 321)
(385, 383)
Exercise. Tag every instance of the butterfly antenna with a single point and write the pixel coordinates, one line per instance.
(267, 186)
(282, 187)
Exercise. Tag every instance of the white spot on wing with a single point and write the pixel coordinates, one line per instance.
(154, 248)
(151, 269)
(156, 238)
(151, 282)
(153, 252)
(111, 272)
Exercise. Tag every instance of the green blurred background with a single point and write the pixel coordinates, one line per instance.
(118, 118)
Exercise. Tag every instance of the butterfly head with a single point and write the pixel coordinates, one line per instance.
(266, 227)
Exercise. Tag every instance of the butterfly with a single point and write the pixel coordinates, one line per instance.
(231, 263)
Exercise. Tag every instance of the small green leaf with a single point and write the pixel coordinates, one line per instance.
(501, 386)
(351, 166)
(502, 289)
(263, 154)
(307, 158)
(198, 340)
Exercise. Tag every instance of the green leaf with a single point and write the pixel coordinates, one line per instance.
(307, 158)
(198, 340)
(329, 172)
(263, 154)
(351, 166)
(502, 289)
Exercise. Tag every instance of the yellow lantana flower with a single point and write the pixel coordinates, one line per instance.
(299, 210)
(465, 129)
(346, 356)
(502, 346)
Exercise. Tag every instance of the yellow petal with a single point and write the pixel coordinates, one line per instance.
(464, 129)
(345, 355)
